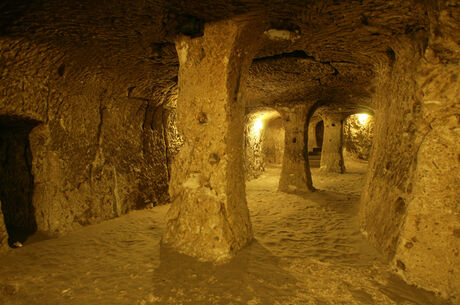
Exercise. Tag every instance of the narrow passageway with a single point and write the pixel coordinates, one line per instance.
(16, 179)
(307, 250)
(318, 225)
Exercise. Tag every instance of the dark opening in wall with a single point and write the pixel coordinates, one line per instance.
(16, 180)
(319, 133)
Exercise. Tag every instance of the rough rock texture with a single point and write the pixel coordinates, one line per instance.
(3, 233)
(209, 218)
(332, 149)
(259, 128)
(173, 139)
(410, 207)
(295, 171)
(273, 141)
(94, 75)
(357, 136)
(99, 148)
(253, 161)
(96, 87)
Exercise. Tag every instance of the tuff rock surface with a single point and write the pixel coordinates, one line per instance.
(273, 142)
(357, 136)
(209, 218)
(100, 79)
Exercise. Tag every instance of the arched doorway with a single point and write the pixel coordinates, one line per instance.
(16, 179)
(264, 141)
(358, 132)
(319, 134)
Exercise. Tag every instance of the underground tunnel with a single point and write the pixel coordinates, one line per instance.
(229, 152)
(16, 178)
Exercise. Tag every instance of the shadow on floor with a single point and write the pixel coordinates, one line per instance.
(401, 292)
(252, 276)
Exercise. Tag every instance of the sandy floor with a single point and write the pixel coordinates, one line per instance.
(307, 250)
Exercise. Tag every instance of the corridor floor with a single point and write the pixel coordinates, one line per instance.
(307, 250)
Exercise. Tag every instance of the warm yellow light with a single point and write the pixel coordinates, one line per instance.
(362, 118)
(258, 125)
(258, 121)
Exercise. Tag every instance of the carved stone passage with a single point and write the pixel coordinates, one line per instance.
(410, 205)
(312, 142)
(295, 171)
(209, 218)
(16, 179)
(332, 155)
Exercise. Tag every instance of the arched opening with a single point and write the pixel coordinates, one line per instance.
(315, 141)
(264, 143)
(333, 128)
(358, 132)
(325, 125)
(16, 179)
(319, 134)
(355, 149)
(339, 141)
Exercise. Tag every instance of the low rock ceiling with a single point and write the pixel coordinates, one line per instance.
(297, 77)
(333, 59)
(341, 110)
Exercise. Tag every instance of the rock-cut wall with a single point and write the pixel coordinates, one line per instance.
(273, 142)
(357, 136)
(410, 206)
(264, 142)
(254, 164)
(102, 135)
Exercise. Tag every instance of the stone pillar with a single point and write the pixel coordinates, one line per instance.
(3, 232)
(331, 154)
(295, 171)
(410, 203)
(209, 218)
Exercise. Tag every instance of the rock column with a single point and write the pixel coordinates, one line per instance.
(331, 154)
(209, 218)
(410, 204)
(295, 171)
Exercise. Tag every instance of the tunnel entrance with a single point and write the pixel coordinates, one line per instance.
(319, 133)
(264, 142)
(358, 132)
(16, 180)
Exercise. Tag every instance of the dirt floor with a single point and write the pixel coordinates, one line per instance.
(307, 250)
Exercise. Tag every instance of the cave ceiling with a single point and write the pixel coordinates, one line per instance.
(333, 57)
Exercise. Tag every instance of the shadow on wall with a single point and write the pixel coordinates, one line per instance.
(16, 180)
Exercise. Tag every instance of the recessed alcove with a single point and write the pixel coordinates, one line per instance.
(16, 179)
